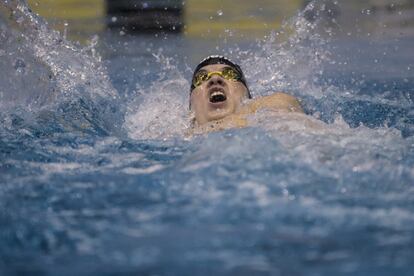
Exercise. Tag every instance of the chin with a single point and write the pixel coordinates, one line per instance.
(218, 114)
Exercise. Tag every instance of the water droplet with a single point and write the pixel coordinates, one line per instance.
(20, 19)
(366, 11)
(114, 19)
(219, 12)
(19, 65)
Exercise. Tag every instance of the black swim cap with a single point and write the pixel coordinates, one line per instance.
(221, 60)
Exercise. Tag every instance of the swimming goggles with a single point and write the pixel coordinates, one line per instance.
(227, 73)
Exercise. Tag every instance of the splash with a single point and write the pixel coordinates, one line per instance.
(268, 199)
(43, 72)
(292, 66)
(161, 110)
(291, 59)
(73, 70)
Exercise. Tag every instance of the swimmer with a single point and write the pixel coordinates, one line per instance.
(220, 97)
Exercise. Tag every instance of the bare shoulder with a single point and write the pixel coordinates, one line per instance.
(282, 95)
(278, 101)
(231, 121)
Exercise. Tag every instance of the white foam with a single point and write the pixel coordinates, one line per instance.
(161, 111)
(46, 67)
(148, 170)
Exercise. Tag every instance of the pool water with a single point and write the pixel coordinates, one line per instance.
(98, 176)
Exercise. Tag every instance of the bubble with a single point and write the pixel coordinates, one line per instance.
(20, 19)
(20, 65)
(366, 11)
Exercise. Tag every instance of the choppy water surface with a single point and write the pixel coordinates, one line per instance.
(97, 175)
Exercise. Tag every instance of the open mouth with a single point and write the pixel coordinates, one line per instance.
(217, 96)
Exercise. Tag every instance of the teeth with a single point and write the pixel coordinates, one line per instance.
(216, 93)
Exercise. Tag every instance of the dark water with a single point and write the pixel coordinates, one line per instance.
(97, 176)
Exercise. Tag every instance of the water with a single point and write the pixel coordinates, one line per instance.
(98, 176)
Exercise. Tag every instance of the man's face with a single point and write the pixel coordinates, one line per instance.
(217, 97)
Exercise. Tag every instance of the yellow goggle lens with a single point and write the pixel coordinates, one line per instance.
(230, 74)
(200, 77)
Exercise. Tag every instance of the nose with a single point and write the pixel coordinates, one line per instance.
(215, 80)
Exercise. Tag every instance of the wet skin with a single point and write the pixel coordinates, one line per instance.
(219, 103)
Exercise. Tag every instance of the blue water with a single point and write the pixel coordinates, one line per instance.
(98, 176)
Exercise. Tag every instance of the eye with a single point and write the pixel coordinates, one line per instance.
(200, 77)
(230, 74)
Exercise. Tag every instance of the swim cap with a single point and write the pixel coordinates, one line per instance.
(215, 59)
